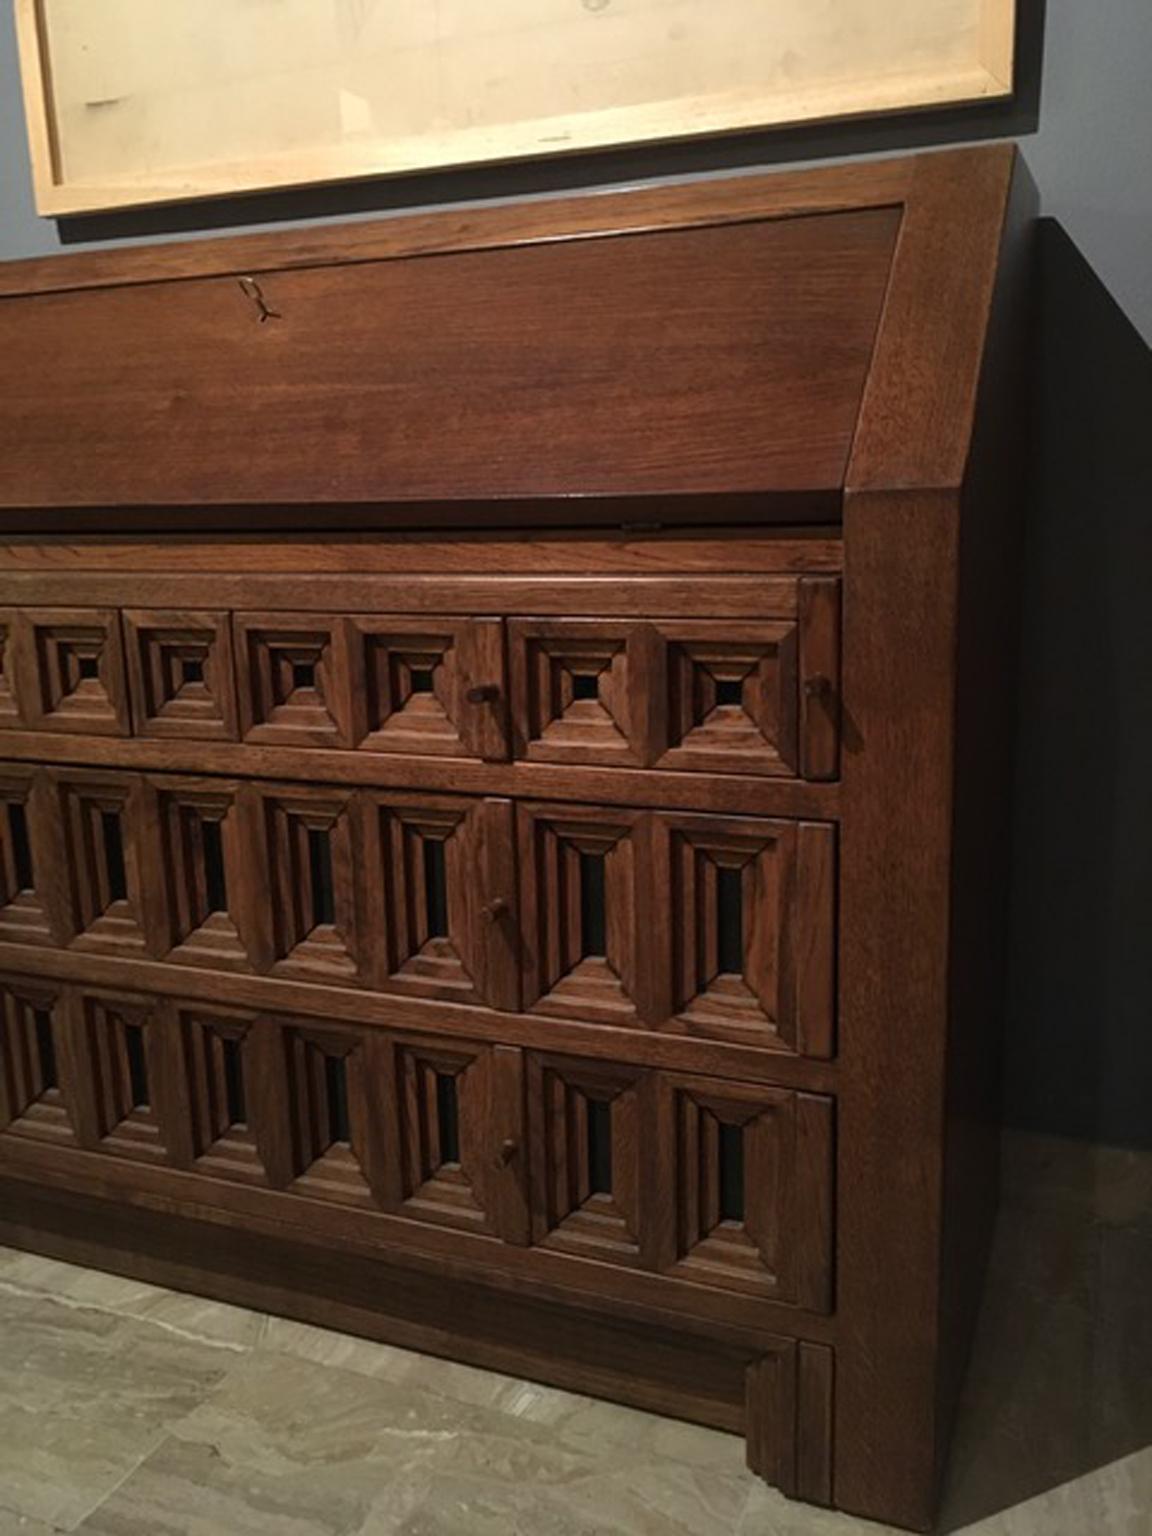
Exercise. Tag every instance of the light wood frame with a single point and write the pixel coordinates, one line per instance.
(982, 72)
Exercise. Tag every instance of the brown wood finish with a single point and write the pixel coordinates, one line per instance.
(567, 951)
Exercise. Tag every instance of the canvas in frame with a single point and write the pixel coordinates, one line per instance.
(139, 102)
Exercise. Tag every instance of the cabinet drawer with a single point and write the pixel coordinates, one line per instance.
(719, 1185)
(723, 695)
(717, 926)
(431, 686)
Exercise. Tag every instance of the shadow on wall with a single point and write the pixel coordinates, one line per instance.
(1079, 1044)
(1059, 1385)
(1013, 118)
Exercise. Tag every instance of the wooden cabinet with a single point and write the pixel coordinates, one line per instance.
(552, 920)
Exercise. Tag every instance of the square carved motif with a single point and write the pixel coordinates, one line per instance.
(110, 901)
(585, 940)
(23, 918)
(70, 671)
(442, 1151)
(583, 691)
(589, 1140)
(750, 936)
(310, 841)
(294, 679)
(205, 862)
(121, 1052)
(433, 687)
(220, 1074)
(32, 1049)
(333, 1133)
(9, 700)
(752, 1188)
(440, 896)
(733, 697)
(180, 671)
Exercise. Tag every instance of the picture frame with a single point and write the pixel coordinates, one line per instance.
(134, 103)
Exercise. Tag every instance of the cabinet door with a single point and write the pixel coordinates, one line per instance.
(748, 1191)
(440, 897)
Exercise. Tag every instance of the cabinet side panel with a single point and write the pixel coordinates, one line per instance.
(898, 714)
(986, 687)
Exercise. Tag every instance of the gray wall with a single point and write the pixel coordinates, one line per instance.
(1079, 1048)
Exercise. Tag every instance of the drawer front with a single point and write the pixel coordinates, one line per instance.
(717, 927)
(753, 695)
(692, 695)
(719, 1187)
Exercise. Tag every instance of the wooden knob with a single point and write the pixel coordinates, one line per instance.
(507, 1152)
(493, 910)
(485, 693)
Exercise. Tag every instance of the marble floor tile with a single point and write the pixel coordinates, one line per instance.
(12, 1524)
(462, 1383)
(649, 1499)
(290, 1445)
(192, 1316)
(84, 1397)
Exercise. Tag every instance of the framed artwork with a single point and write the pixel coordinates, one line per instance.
(136, 102)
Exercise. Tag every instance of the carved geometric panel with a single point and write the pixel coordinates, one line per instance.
(107, 823)
(121, 1060)
(751, 929)
(585, 942)
(311, 838)
(219, 1072)
(294, 679)
(732, 697)
(205, 865)
(588, 1140)
(180, 670)
(332, 1131)
(9, 694)
(440, 884)
(583, 691)
(32, 1049)
(23, 918)
(443, 1149)
(70, 671)
(432, 687)
(752, 1188)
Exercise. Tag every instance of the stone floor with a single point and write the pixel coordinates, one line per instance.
(126, 1410)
